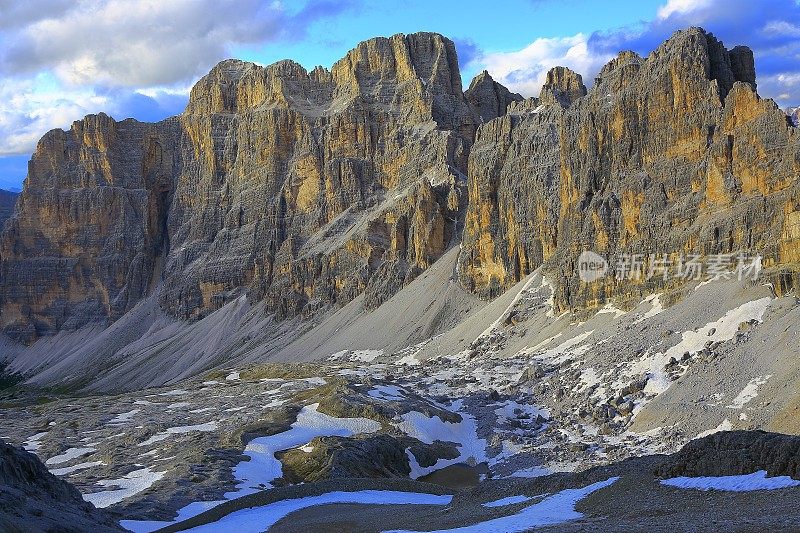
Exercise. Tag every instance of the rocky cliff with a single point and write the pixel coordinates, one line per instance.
(304, 190)
(670, 154)
(33, 499)
(300, 189)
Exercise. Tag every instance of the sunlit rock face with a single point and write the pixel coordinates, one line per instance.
(673, 153)
(301, 189)
(304, 190)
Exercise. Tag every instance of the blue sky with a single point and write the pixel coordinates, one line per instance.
(63, 59)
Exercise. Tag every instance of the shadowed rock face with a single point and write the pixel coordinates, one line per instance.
(301, 189)
(666, 154)
(730, 453)
(489, 98)
(305, 189)
(794, 116)
(33, 499)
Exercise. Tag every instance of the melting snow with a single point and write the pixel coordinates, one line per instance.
(75, 468)
(191, 510)
(208, 426)
(609, 309)
(387, 393)
(263, 467)
(725, 425)
(656, 307)
(722, 330)
(511, 500)
(512, 409)
(123, 417)
(366, 356)
(32, 444)
(176, 392)
(749, 392)
(746, 482)
(567, 348)
(233, 376)
(69, 455)
(258, 519)
(127, 486)
(430, 429)
(555, 509)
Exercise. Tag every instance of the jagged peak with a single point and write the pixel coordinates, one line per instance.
(425, 56)
(562, 86)
(794, 115)
(697, 48)
(488, 98)
(482, 77)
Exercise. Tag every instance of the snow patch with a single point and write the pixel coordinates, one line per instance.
(33, 442)
(741, 483)
(127, 486)
(510, 500)
(464, 434)
(749, 392)
(721, 330)
(725, 425)
(124, 417)
(258, 519)
(609, 309)
(656, 307)
(74, 468)
(208, 426)
(388, 393)
(263, 467)
(555, 509)
(69, 455)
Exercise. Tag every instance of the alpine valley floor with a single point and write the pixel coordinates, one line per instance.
(439, 411)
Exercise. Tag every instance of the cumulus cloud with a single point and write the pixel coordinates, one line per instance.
(524, 71)
(772, 32)
(63, 59)
(150, 42)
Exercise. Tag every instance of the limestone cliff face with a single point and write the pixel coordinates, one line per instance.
(88, 229)
(673, 153)
(301, 189)
(304, 190)
(489, 98)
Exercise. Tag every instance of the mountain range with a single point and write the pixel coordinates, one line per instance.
(368, 278)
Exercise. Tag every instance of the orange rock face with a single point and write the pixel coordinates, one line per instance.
(303, 190)
(674, 153)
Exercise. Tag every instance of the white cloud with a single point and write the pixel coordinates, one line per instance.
(525, 70)
(781, 27)
(27, 110)
(62, 59)
(681, 7)
(773, 34)
(149, 42)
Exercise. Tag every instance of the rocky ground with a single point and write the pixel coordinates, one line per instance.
(530, 394)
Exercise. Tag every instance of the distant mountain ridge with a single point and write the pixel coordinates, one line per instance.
(794, 115)
(8, 200)
(303, 191)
